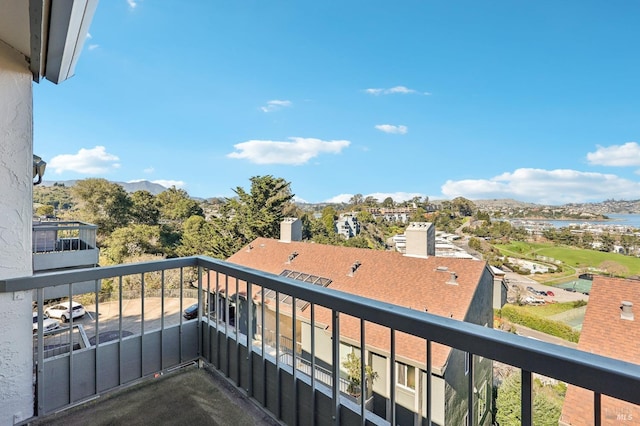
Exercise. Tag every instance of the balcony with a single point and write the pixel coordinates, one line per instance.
(58, 245)
(283, 364)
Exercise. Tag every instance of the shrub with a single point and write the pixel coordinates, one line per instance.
(554, 328)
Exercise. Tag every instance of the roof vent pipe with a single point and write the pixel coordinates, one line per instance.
(626, 310)
(354, 267)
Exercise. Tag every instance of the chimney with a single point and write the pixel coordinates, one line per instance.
(626, 310)
(420, 240)
(290, 230)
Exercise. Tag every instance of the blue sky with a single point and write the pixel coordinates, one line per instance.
(533, 100)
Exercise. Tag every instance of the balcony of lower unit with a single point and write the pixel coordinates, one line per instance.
(64, 245)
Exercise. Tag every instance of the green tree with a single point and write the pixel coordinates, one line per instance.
(371, 201)
(144, 209)
(388, 202)
(418, 215)
(44, 210)
(547, 402)
(253, 214)
(103, 203)
(197, 238)
(607, 242)
(365, 217)
(131, 242)
(356, 200)
(328, 218)
(462, 206)
(176, 205)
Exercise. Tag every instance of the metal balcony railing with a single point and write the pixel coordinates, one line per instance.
(61, 236)
(132, 338)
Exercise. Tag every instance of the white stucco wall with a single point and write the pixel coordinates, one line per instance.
(16, 146)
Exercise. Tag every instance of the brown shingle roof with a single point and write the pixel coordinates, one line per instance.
(605, 333)
(414, 283)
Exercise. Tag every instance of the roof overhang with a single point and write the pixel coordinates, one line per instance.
(50, 33)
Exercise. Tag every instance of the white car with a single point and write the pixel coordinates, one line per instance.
(48, 324)
(61, 311)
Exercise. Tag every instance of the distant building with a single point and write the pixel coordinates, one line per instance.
(347, 225)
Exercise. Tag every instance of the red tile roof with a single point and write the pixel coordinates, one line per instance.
(388, 276)
(605, 333)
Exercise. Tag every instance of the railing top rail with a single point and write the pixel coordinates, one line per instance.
(63, 225)
(608, 376)
(88, 274)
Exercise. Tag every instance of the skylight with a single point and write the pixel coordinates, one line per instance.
(299, 276)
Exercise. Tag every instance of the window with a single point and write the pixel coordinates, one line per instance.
(406, 375)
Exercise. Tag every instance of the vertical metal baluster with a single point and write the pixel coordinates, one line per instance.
(71, 366)
(597, 409)
(40, 354)
(218, 316)
(97, 344)
(313, 363)
(142, 325)
(470, 390)
(429, 389)
(120, 349)
(392, 379)
(208, 316)
(180, 316)
(278, 378)
(335, 347)
(526, 398)
(162, 319)
(264, 359)
(250, 338)
(238, 327)
(363, 373)
(293, 359)
(199, 325)
(226, 322)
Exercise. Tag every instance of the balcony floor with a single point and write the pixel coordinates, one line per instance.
(186, 396)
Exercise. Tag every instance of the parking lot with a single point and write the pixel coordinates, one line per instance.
(559, 294)
(133, 320)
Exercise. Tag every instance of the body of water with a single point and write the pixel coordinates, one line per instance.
(630, 220)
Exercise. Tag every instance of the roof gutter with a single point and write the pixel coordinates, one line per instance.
(58, 31)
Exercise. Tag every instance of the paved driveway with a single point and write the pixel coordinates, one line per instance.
(132, 319)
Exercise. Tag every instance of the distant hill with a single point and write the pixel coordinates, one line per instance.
(143, 185)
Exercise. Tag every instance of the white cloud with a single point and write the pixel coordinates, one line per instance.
(541, 186)
(297, 152)
(275, 105)
(149, 170)
(93, 46)
(616, 155)
(394, 90)
(169, 183)
(132, 3)
(341, 198)
(89, 35)
(92, 161)
(391, 128)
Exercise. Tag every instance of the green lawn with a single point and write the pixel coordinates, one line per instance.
(570, 256)
(549, 309)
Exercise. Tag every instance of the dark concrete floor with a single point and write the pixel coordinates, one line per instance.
(188, 396)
